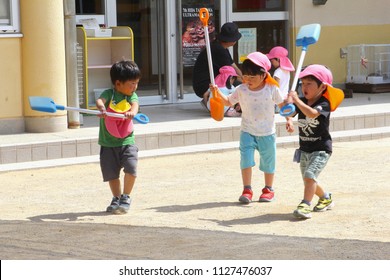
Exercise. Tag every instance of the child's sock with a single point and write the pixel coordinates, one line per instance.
(248, 187)
(326, 195)
(306, 202)
(270, 188)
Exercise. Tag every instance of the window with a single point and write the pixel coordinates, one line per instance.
(259, 5)
(9, 16)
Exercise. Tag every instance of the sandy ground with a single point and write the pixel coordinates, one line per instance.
(186, 207)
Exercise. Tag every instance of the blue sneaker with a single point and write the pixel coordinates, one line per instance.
(114, 205)
(124, 204)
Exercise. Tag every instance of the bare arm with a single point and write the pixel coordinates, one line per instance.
(133, 110)
(305, 109)
(225, 100)
(101, 107)
(238, 71)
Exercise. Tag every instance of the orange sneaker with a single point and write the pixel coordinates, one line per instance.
(267, 195)
(246, 196)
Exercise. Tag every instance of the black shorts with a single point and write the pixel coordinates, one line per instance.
(201, 88)
(113, 159)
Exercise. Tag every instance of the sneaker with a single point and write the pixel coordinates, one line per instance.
(114, 204)
(324, 204)
(231, 112)
(124, 204)
(203, 102)
(303, 211)
(246, 196)
(267, 195)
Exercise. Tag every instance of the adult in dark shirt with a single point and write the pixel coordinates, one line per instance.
(220, 54)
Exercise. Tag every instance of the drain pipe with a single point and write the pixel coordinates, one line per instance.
(71, 62)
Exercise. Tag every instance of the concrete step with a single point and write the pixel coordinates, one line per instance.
(284, 141)
(30, 147)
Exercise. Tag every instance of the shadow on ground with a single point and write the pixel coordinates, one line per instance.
(69, 240)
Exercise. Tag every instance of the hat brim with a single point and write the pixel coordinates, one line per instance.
(234, 38)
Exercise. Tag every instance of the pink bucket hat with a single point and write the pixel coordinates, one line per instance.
(334, 95)
(262, 60)
(281, 53)
(224, 73)
(320, 72)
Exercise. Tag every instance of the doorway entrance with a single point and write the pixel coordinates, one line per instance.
(166, 37)
(165, 45)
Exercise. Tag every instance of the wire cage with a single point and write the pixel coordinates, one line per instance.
(368, 67)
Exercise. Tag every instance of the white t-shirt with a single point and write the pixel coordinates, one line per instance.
(258, 108)
(284, 80)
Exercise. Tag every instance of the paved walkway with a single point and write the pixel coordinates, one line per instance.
(185, 207)
(181, 120)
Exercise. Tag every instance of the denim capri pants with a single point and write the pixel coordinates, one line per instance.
(313, 163)
(265, 145)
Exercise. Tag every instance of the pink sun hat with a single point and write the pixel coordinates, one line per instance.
(262, 60)
(281, 53)
(334, 95)
(224, 73)
(320, 72)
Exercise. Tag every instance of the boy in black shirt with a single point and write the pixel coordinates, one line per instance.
(315, 142)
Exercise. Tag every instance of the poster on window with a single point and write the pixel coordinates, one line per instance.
(247, 43)
(193, 39)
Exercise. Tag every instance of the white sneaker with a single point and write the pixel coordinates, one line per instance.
(231, 112)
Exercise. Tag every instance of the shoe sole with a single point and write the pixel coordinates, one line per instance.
(266, 200)
(329, 207)
(120, 210)
(110, 209)
(301, 216)
(244, 200)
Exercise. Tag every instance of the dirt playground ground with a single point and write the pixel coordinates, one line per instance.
(186, 207)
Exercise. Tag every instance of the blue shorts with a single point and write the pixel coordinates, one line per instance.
(313, 163)
(113, 159)
(265, 145)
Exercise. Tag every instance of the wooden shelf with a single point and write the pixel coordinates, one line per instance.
(99, 53)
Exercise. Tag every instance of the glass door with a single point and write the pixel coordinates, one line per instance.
(263, 24)
(148, 20)
(191, 41)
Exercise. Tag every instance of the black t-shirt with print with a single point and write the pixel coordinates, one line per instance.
(314, 133)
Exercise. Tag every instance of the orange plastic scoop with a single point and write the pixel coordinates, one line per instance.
(216, 106)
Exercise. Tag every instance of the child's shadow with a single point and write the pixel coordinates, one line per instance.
(201, 206)
(69, 217)
(262, 219)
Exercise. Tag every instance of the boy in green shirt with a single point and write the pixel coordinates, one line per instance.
(116, 135)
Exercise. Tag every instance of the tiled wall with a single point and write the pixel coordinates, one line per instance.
(85, 147)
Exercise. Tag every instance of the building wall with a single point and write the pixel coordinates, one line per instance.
(33, 64)
(10, 73)
(343, 23)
